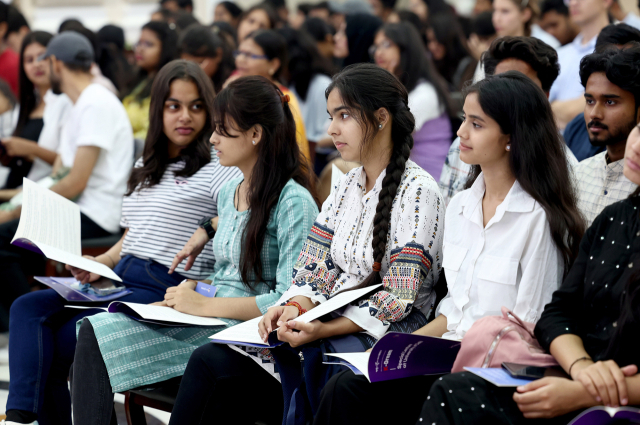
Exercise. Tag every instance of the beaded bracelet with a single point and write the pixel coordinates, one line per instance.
(301, 310)
(577, 360)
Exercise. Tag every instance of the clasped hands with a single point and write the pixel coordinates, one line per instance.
(603, 382)
(294, 332)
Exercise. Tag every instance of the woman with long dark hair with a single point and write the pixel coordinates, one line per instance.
(308, 75)
(262, 220)
(227, 11)
(202, 46)
(509, 239)
(397, 48)
(22, 148)
(354, 37)
(448, 47)
(383, 224)
(590, 326)
(158, 45)
(173, 185)
(264, 53)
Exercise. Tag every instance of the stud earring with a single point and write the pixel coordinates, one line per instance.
(380, 126)
(253, 141)
(508, 147)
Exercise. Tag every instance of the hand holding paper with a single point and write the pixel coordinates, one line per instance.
(50, 225)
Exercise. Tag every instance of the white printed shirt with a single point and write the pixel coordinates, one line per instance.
(600, 185)
(338, 254)
(512, 262)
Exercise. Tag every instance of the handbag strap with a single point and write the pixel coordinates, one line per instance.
(506, 313)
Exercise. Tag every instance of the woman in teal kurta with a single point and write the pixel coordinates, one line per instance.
(271, 207)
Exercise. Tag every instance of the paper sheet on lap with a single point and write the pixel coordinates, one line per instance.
(50, 225)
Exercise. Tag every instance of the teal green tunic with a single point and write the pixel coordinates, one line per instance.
(138, 354)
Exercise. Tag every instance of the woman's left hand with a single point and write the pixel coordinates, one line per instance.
(186, 300)
(17, 146)
(308, 332)
(550, 397)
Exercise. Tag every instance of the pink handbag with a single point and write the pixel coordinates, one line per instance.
(496, 339)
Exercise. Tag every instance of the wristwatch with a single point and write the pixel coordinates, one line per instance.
(205, 223)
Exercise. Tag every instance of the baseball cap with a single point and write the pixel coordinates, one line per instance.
(71, 48)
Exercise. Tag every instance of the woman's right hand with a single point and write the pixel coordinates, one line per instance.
(275, 317)
(191, 250)
(82, 275)
(605, 381)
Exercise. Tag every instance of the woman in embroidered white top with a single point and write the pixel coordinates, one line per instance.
(382, 224)
(509, 238)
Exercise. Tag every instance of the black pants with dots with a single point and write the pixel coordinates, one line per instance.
(351, 399)
(464, 399)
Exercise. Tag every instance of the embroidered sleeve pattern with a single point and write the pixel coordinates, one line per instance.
(314, 267)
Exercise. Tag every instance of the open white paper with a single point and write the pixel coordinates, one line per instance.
(165, 314)
(50, 224)
(247, 332)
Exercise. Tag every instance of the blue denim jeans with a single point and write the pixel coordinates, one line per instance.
(42, 339)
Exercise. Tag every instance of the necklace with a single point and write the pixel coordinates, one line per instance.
(236, 196)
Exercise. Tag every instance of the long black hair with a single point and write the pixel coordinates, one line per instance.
(274, 46)
(198, 40)
(156, 153)
(537, 157)
(448, 32)
(28, 98)
(364, 89)
(111, 57)
(244, 103)
(414, 64)
(168, 52)
(305, 60)
(360, 31)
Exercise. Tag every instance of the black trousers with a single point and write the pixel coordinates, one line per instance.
(349, 399)
(465, 399)
(91, 394)
(18, 263)
(222, 386)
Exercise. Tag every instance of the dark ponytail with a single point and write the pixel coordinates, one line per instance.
(250, 101)
(364, 89)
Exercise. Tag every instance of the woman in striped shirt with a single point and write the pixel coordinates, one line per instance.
(174, 184)
(263, 218)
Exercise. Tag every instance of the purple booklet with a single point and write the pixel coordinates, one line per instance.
(62, 285)
(398, 355)
(601, 415)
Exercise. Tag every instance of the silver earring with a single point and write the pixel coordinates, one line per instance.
(508, 147)
(380, 126)
(253, 141)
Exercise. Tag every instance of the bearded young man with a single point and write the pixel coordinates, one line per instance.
(611, 112)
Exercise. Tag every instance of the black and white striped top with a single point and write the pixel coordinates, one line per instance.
(162, 218)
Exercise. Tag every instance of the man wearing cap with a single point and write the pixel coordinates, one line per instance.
(96, 147)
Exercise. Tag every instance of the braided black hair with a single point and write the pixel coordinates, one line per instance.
(364, 89)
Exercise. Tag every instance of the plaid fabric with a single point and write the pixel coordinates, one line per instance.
(600, 185)
(139, 354)
(454, 173)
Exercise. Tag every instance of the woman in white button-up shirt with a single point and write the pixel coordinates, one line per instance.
(507, 241)
(509, 238)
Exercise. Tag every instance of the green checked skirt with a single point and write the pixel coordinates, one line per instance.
(138, 354)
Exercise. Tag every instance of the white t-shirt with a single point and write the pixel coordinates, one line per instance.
(99, 119)
(56, 112)
(424, 103)
(314, 108)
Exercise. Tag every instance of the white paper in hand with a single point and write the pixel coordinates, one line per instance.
(50, 225)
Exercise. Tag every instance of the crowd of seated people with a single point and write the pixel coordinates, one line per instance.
(464, 156)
